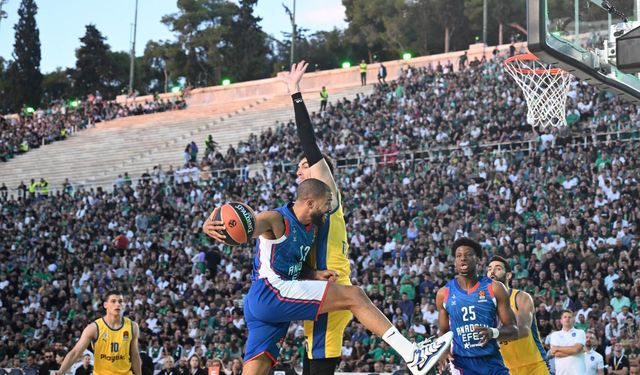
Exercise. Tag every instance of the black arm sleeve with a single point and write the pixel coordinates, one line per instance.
(305, 130)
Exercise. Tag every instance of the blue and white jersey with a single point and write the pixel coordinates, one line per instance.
(283, 258)
(466, 309)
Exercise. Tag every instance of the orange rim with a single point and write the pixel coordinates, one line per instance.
(530, 57)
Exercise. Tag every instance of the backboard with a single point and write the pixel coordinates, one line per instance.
(579, 37)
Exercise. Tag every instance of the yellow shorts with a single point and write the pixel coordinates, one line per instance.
(324, 336)
(538, 368)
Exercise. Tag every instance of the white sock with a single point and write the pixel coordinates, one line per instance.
(399, 343)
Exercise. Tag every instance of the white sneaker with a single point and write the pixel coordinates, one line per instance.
(427, 354)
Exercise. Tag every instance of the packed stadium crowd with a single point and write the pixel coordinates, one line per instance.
(434, 107)
(33, 128)
(564, 213)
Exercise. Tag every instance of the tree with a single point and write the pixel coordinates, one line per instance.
(26, 87)
(93, 68)
(380, 25)
(5, 98)
(202, 30)
(57, 85)
(164, 62)
(117, 79)
(246, 55)
(454, 22)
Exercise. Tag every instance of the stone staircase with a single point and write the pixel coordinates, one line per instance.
(96, 156)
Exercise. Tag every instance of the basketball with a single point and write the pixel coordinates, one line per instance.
(239, 222)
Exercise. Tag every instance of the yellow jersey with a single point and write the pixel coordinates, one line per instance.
(111, 350)
(524, 351)
(331, 252)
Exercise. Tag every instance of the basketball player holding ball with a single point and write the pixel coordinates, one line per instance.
(277, 296)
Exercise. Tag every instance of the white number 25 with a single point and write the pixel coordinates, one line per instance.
(468, 313)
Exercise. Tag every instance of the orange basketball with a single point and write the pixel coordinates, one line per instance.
(239, 222)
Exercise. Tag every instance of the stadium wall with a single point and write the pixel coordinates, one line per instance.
(333, 79)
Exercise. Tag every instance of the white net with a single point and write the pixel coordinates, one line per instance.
(545, 89)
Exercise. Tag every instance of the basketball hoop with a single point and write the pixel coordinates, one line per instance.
(545, 89)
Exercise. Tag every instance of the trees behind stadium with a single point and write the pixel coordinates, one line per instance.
(216, 39)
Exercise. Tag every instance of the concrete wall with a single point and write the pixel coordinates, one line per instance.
(332, 79)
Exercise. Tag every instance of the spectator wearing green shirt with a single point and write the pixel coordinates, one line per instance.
(383, 353)
(582, 323)
(619, 300)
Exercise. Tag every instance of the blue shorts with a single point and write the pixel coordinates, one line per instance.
(271, 305)
(486, 365)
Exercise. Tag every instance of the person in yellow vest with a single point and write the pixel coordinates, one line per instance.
(43, 188)
(114, 338)
(526, 355)
(324, 96)
(24, 147)
(363, 73)
(33, 187)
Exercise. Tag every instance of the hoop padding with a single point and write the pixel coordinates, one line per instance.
(545, 89)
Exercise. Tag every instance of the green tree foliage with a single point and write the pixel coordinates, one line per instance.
(216, 38)
(164, 62)
(246, 53)
(57, 85)
(25, 77)
(380, 25)
(93, 68)
(202, 27)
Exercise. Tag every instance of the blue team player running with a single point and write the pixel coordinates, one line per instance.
(277, 297)
(469, 306)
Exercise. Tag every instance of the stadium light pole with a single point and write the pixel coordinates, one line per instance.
(133, 51)
(485, 13)
(292, 16)
(293, 34)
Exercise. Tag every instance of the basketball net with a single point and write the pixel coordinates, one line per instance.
(545, 89)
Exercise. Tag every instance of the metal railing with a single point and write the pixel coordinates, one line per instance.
(430, 154)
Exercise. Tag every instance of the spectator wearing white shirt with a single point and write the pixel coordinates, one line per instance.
(500, 165)
(585, 310)
(593, 360)
(418, 327)
(600, 201)
(610, 278)
(612, 330)
(567, 347)
(347, 349)
(430, 314)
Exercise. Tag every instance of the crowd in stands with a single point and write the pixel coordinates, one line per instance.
(564, 213)
(431, 108)
(32, 128)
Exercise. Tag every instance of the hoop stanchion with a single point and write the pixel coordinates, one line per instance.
(545, 89)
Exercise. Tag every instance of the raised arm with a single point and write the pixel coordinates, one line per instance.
(318, 167)
(443, 315)
(89, 334)
(268, 223)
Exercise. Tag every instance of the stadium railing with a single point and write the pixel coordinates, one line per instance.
(436, 154)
